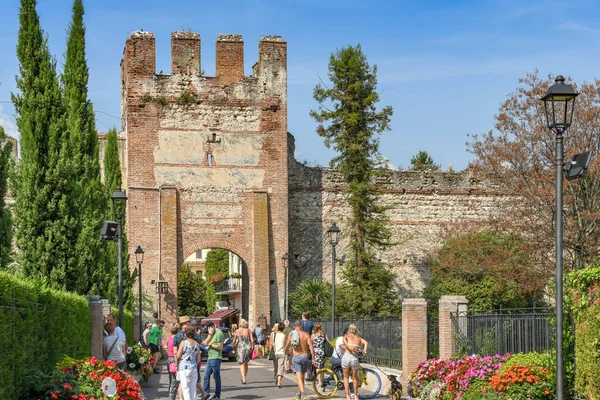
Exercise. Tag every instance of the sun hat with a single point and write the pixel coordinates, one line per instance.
(183, 319)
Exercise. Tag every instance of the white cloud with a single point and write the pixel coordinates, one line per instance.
(9, 127)
(573, 26)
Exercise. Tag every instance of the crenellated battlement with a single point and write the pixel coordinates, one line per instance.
(139, 56)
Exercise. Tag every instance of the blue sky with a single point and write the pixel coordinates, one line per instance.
(444, 66)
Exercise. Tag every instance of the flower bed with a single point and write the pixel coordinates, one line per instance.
(512, 377)
(82, 379)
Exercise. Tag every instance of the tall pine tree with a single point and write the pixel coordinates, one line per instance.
(112, 180)
(6, 233)
(42, 186)
(353, 126)
(91, 200)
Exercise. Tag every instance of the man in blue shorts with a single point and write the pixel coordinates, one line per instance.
(301, 344)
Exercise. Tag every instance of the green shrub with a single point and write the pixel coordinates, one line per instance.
(544, 360)
(39, 326)
(584, 302)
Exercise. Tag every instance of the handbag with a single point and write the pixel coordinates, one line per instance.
(311, 373)
(272, 348)
(327, 348)
(172, 367)
(253, 354)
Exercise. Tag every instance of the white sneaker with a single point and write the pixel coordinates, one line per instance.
(352, 396)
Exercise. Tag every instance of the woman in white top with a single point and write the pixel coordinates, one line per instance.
(113, 347)
(278, 340)
(145, 335)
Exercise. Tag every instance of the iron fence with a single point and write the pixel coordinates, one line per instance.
(433, 336)
(501, 331)
(383, 334)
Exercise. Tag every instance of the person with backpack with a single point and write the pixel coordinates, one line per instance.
(307, 325)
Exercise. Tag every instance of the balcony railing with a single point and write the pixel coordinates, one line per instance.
(229, 285)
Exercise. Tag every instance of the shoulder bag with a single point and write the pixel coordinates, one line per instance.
(327, 348)
(272, 348)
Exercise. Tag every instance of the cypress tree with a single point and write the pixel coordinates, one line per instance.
(6, 233)
(42, 188)
(112, 180)
(90, 198)
(353, 125)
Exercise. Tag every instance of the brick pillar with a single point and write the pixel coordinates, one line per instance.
(447, 305)
(414, 335)
(169, 261)
(258, 270)
(230, 58)
(97, 315)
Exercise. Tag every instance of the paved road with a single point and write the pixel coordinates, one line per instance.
(261, 384)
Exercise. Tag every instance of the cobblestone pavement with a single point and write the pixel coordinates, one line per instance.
(261, 384)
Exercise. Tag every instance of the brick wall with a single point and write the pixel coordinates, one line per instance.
(414, 335)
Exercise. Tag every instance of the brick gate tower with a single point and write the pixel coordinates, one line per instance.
(207, 162)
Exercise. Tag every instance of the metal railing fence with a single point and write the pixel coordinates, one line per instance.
(384, 335)
(501, 331)
(433, 336)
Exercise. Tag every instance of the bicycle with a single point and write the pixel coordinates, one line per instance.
(333, 379)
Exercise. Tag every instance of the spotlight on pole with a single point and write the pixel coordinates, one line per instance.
(579, 166)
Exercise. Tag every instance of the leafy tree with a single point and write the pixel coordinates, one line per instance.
(6, 233)
(349, 109)
(312, 295)
(112, 180)
(490, 268)
(91, 200)
(43, 183)
(519, 156)
(191, 293)
(422, 160)
(217, 262)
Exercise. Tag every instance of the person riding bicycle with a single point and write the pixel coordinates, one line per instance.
(355, 347)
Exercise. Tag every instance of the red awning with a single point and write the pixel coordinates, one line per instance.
(218, 316)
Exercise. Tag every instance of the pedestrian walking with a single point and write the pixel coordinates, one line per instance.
(318, 340)
(244, 342)
(154, 338)
(172, 352)
(287, 364)
(214, 341)
(307, 325)
(184, 322)
(189, 355)
(260, 339)
(278, 348)
(113, 347)
(301, 347)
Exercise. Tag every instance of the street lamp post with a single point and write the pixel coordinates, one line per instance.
(119, 202)
(559, 106)
(334, 236)
(139, 258)
(285, 259)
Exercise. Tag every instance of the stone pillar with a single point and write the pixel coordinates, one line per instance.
(137, 335)
(447, 305)
(259, 278)
(414, 335)
(97, 316)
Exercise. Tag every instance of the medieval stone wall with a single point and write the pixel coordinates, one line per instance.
(425, 206)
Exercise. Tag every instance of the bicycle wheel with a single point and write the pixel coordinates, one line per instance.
(330, 384)
(370, 383)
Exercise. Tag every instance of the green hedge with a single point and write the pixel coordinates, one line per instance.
(584, 300)
(127, 324)
(39, 326)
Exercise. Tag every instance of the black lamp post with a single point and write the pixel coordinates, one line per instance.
(285, 260)
(334, 237)
(559, 104)
(139, 258)
(119, 202)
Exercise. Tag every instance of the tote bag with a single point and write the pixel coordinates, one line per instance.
(254, 354)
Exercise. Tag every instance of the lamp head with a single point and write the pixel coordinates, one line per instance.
(119, 201)
(559, 105)
(139, 254)
(285, 259)
(334, 234)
